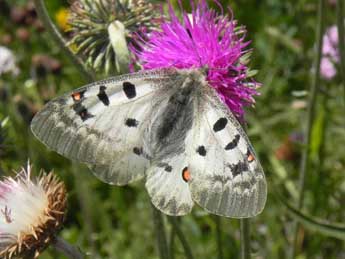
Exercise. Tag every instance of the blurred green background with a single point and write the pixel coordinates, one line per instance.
(116, 222)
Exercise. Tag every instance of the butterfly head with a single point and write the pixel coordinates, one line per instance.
(196, 76)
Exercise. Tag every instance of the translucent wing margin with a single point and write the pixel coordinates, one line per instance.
(102, 124)
(226, 176)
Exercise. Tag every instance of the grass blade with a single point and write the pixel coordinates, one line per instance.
(310, 117)
(329, 229)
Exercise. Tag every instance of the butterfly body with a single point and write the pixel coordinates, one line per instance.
(167, 126)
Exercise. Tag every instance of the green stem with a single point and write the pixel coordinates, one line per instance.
(67, 249)
(321, 158)
(181, 237)
(84, 201)
(310, 118)
(171, 243)
(219, 236)
(245, 238)
(341, 34)
(160, 234)
(56, 35)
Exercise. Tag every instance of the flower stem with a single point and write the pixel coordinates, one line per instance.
(67, 249)
(310, 118)
(171, 243)
(84, 200)
(56, 35)
(180, 235)
(341, 37)
(160, 234)
(218, 221)
(245, 238)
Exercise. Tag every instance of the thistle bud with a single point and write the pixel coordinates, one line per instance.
(102, 29)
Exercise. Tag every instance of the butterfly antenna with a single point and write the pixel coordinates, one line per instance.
(194, 47)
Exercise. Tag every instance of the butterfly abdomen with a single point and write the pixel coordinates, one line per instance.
(178, 105)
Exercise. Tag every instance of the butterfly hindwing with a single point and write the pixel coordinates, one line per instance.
(226, 177)
(167, 185)
(102, 124)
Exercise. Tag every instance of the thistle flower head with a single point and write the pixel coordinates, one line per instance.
(101, 29)
(203, 39)
(31, 212)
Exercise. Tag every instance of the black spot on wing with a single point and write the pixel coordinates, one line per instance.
(201, 151)
(238, 168)
(82, 111)
(129, 90)
(233, 143)
(102, 95)
(168, 168)
(131, 122)
(138, 150)
(220, 124)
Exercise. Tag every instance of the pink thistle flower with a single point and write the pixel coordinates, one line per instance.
(203, 39)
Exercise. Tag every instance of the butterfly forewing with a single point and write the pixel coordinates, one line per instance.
(102, 124)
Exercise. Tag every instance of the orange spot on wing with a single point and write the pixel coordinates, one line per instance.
(186, 174)
(76, 96)
(250, 158)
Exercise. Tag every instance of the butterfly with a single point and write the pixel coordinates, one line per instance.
(167, 126)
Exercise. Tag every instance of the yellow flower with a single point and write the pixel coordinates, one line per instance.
(62, 17)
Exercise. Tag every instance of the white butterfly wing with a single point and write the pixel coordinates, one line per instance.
(102, 124)
(226, 177)
(168, 190)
